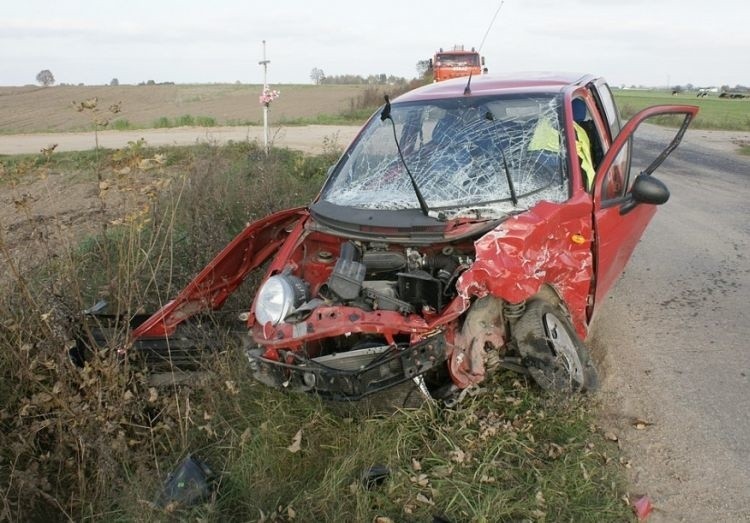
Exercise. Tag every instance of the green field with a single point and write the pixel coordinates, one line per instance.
(715, 112)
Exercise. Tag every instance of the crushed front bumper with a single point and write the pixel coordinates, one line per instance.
(353, 375)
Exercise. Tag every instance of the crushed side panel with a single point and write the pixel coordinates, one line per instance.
(549, 244)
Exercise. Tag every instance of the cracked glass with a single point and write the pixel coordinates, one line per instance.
(469, 152)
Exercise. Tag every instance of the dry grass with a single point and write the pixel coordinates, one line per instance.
(96, 442)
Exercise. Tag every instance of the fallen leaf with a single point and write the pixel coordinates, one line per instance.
(208, 429)
(42, 397)
(441, 471)
(422, 480)
(231, 387)
(296, 445)
(611, 436)
(424, 499)
(382, 519)
(540, 499)
(416, 466)
(554, 451)
(153, 395)
(291, 513)
(457, 455)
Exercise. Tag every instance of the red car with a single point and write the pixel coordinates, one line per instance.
(457, 234)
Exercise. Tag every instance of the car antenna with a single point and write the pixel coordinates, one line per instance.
(467, 89)
(385, 114)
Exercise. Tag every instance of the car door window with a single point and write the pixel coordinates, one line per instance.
(604, 99)
(652, 145)
(586, 124)
(616, 180)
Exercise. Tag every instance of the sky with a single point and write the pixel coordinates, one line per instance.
(633, 42)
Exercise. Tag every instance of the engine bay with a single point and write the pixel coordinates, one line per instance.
(371, 276)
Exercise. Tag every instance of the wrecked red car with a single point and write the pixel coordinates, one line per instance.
(460, 232)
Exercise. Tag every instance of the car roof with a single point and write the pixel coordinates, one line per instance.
(508, 83)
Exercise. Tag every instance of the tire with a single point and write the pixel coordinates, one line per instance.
(552, 351)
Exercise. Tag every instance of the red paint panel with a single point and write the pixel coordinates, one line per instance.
(535, 248)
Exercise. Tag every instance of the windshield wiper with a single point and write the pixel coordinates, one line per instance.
(386, 115)
(513, 197)
(512, 187)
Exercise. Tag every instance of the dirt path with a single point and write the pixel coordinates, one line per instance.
(309, 138)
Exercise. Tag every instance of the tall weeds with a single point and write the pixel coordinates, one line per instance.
(95, 442)
(74, 437)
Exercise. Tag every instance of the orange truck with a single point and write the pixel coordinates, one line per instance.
(456, 63)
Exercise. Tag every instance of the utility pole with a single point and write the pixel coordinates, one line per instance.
(265, 63)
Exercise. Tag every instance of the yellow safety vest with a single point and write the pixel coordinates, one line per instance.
(547, 138)
(583, 147)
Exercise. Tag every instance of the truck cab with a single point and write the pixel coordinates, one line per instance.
(456, 63)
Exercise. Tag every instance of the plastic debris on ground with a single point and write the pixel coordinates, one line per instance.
(642, 507)
(191, 482)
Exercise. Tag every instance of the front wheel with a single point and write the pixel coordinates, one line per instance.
(551, 350)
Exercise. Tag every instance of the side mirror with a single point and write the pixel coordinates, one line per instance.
(646, 189)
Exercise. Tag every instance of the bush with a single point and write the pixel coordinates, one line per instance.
(76, 442)
(96, 442)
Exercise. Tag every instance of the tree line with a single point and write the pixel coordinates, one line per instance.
(319, 78)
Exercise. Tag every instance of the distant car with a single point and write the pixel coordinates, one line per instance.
(455, 235)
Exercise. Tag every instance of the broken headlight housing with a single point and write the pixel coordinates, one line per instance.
(278, 297)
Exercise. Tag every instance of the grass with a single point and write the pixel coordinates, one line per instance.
(715, 113)
(185, 120)
(97, 442)
(121, 124)
(506, 454)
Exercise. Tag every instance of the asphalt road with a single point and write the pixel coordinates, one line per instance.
(674, 337)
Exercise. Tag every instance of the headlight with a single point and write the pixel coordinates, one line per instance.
(278, 296)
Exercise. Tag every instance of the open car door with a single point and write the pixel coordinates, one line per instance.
(625, 203)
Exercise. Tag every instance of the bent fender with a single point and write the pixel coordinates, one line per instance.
(210, 289)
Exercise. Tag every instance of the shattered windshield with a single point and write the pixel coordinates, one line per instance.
(462, 152)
